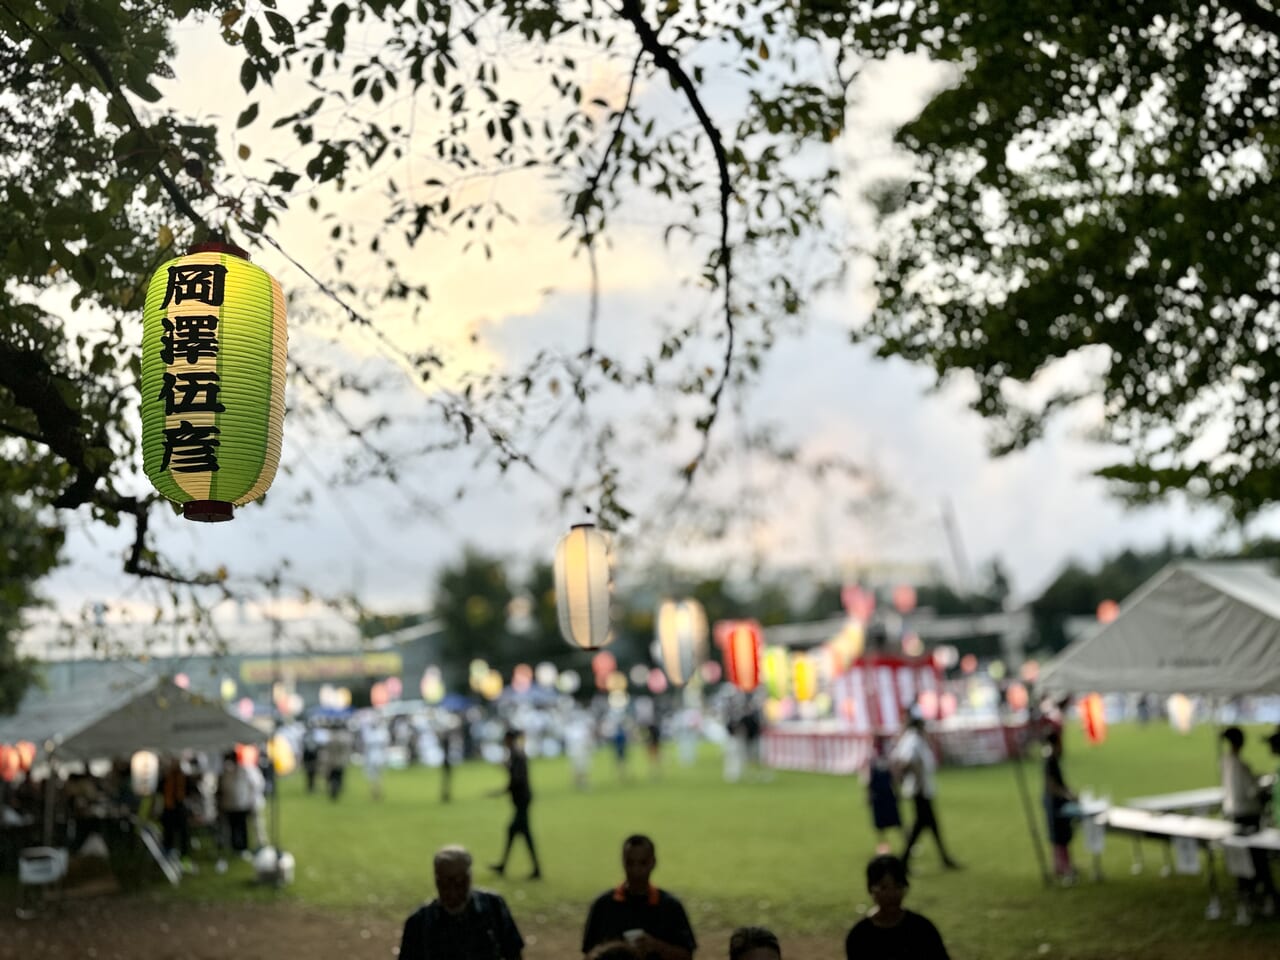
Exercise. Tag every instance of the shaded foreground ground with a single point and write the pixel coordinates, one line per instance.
(124, 927)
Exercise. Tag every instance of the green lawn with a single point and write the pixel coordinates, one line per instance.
(788, 853)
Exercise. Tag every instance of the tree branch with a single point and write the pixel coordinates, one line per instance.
(631, 11)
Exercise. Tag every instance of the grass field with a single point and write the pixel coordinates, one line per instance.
(787, 852)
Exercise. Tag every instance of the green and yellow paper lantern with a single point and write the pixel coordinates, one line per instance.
(213, 369)
(776, 671)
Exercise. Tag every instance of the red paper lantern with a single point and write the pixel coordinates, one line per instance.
(9, 763)
(1094, 717)
(742, 642)
(1108, 610)
(1016, 696)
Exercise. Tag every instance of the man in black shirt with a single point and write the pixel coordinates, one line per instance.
(461, 923)
(521, 797)
(652, 920)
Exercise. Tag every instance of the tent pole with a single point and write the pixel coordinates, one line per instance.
(49, 783)
(1028, 809)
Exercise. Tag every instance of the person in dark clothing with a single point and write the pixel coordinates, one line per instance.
(1056, 797)
(461, 923)
(175, 816)
(521, 798)
(882, 794)
(310, 758)
(891, 931)
(651, 920)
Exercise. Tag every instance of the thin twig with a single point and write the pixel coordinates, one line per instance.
(631, 11)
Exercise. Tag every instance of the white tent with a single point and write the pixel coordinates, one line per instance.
(1210, 628)
(130, 711)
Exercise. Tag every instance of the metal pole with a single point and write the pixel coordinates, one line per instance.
(49, 783)
(1028, 809)
(275, 731)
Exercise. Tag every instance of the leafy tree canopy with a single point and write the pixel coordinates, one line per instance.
(1094, 184)
(406, 105)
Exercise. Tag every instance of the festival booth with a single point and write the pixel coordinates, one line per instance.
(1195, 628)
(868, 699)
(129, 712)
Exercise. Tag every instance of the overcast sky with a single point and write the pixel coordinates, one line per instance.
(1035, 510)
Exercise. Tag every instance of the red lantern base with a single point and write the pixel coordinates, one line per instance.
(208, 511)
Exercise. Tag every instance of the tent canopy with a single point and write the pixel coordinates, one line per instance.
(131, 711)
(1210, 628)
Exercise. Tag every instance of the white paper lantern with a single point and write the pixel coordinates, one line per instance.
(144, 773)
(1181, 712)
(583, 587)
(681, 627)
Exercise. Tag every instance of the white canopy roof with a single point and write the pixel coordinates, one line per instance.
(1199, 627)
(131, 710)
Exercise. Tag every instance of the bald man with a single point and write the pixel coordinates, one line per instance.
(461, 923)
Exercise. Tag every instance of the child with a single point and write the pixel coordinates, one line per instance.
(889, 930)
(882, 794)
(754, 943)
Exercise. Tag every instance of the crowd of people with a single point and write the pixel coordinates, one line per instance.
(637, 920)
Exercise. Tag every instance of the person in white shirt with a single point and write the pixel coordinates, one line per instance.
(913, 759)
(1242, 804)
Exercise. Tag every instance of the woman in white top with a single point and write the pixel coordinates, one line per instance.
(1242, 804)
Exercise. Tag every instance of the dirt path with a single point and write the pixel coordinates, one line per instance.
(126, 928)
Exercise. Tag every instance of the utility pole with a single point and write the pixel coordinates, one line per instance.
(958, 558)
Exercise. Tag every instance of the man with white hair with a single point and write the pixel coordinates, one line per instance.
(461, 923)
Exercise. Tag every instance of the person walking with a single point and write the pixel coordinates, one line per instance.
(890, 930)
(913, 758)
(461, 923)
(521, 797)
(651, 920)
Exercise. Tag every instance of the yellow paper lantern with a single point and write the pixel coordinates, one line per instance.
(491, 685)
(847, 645)
(681, 627)
(616, 682)
(26, 754)
(432, 685)
(583, 587)
(213, 371)
(280, 750)
(775, 670)
(804, 677)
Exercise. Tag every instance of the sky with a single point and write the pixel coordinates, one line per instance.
(1034, 510)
